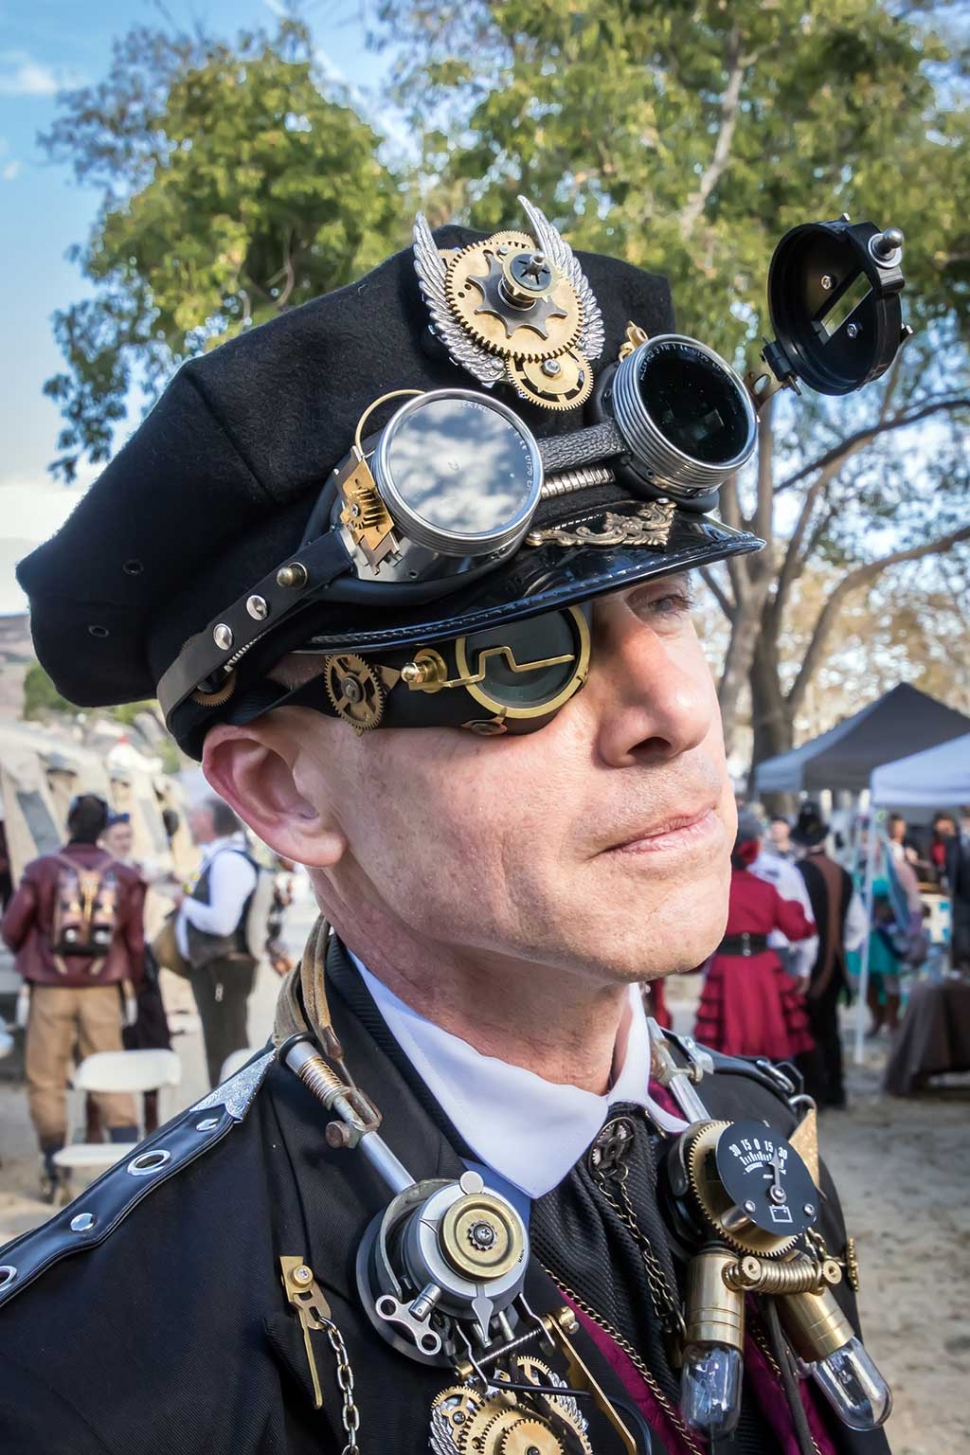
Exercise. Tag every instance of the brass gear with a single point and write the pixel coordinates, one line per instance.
(222, 693)
(714, 1201)
(483, 1433)
(528, 1435)
(355, 690)
(457, 1404)
(533, 1371)
(555, 326)
(562, 383)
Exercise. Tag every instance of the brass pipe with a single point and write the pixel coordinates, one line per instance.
(815, 1324)
(715, 1310)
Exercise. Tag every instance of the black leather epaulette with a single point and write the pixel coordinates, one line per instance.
(781, 1078)
(103, 1206)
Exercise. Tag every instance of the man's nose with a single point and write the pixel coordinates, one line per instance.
(652, 692)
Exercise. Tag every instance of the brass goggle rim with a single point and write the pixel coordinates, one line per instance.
(427, 673)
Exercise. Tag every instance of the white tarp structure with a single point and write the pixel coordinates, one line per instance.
(936, 778)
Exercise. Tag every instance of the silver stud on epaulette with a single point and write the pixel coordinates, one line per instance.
(148, 1162)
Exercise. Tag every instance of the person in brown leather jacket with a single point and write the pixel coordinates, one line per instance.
(79, 895)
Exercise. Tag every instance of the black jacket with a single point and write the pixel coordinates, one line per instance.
(162, 1328)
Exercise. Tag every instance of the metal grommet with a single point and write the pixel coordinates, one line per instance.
(98, 631)
(7, 1274)
(133, 567)
(207, 1125)
(82, 1222)
(148, 1162)
(222, 636)
(257, 608)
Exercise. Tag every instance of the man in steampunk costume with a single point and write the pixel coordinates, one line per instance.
(430, 635)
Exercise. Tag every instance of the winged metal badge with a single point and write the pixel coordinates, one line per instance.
(514, 307)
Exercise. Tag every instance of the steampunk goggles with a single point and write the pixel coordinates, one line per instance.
(451, 486)
(509, 679)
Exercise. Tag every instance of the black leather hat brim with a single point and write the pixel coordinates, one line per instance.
(545, 578)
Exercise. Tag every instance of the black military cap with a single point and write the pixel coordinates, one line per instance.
(218, 502)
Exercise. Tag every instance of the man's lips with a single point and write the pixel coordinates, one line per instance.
(676, 832)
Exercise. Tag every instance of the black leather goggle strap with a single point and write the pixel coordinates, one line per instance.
(368, 690)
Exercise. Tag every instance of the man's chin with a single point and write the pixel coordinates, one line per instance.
(646, 941)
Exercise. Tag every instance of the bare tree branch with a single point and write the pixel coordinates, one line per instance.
(794, 563)
(860, 576)
(737, 566)
(736, 65)
(855, 442)
(766, 453)
(718, 592)
(891, 384)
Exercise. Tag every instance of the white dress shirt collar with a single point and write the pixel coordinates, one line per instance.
(529, 1131)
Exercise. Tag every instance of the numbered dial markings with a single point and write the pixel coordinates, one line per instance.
(766, 1179)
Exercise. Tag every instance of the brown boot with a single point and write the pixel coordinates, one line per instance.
(875, 1005)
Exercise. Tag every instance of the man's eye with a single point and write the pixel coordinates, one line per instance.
(673, 604)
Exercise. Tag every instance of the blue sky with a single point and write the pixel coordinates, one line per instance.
(46, 45)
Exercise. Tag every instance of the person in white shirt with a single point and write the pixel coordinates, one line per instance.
(211, 931)
(798, 957)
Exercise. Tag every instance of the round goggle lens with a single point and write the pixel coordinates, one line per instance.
(530, 667)
(459, 472)
(694, 403)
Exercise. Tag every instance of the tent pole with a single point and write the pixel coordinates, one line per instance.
(862, 1007)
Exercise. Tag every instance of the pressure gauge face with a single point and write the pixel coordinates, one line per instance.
(460, 474)
(686, 416)
(766, 1179)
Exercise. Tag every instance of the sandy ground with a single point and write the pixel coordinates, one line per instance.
(903, 1171)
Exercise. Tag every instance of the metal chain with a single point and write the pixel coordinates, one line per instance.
(672, 1413)
(666, 1305)
(350, 1414)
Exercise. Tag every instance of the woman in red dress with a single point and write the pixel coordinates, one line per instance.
(749, 1005)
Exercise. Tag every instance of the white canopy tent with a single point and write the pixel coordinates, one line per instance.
(936, 778)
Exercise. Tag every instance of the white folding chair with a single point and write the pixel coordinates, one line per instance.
(120, 1071)
(235, 1061)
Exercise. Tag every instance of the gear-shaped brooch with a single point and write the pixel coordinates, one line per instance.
(508, 306)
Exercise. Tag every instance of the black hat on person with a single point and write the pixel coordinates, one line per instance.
(810, 827)
(205, 508)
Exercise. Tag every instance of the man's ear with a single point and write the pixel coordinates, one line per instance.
(250, 768)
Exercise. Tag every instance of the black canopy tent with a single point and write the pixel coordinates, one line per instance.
(903, 721)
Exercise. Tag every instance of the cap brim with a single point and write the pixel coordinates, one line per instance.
(544, 578)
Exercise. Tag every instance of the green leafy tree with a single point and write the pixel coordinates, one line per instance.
(687, 138)
(235, 183)
(41, 697)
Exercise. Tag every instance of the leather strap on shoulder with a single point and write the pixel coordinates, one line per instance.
(103, 1206)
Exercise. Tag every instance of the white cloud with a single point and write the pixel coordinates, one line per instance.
(10, 171)
(32, 508)
(21, 75)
